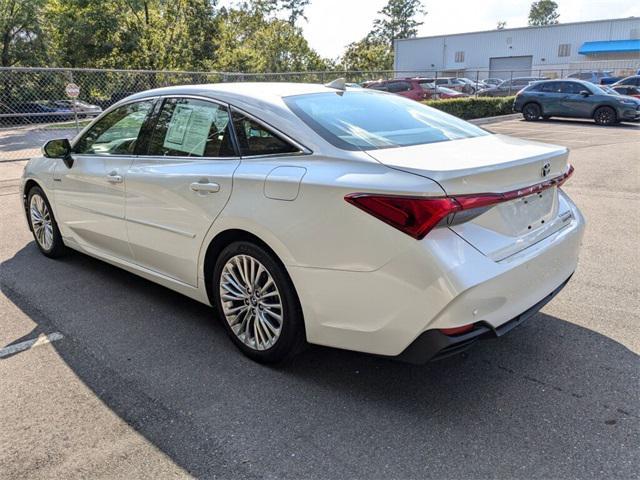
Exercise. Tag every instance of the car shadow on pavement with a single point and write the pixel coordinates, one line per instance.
(550, 399)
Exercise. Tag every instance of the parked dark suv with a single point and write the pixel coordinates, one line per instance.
(577, 99)
(509, 87)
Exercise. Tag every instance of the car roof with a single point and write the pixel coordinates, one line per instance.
(256, 90)
(570, 80)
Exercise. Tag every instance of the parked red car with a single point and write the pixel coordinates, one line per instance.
(629, 90)
(414, 88)
(406, 87)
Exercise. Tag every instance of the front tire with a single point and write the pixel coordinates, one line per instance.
(531, 112)
(257, 303)
(605, 116)
(43, 224)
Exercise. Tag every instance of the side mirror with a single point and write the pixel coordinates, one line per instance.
(585, 93)
(59, 148)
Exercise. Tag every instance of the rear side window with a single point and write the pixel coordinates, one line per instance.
(571, 87)
(191, 128)
(254, 139)
(365, 120)
(551, 87)
(117, 132)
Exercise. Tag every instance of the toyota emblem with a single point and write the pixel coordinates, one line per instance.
(546, 169)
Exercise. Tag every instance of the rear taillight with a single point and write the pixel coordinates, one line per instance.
(417, 216)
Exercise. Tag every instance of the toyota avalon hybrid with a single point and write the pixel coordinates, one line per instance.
(304, 213)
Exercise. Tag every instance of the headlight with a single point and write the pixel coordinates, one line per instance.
(628, 102)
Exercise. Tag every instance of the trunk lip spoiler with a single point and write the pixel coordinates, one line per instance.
(557, 181)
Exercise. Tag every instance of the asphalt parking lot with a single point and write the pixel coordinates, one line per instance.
(144, 383)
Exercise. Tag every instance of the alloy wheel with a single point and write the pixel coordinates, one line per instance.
(251, 302)
(531, 112)
(41, 222)
(605, 116)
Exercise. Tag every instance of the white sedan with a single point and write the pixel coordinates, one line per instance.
(306, 213)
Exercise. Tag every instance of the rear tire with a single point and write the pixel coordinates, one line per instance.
(257, 303)
(605, 116)
(531, 112)
(43, 224)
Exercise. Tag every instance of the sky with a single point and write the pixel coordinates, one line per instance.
(333, 24)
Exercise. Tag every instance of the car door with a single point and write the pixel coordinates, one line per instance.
(90, 195)
(550, 98)
(177, 188)
(572, 102)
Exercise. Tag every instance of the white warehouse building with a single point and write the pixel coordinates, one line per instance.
(551, 50)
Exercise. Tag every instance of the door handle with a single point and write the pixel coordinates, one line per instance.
(113, 177)
(205, 187)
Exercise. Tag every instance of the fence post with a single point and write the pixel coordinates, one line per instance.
(75, 105)
(475, 89)
(436, 95)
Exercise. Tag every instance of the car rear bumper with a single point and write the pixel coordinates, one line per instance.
(434, 345)
(439, 282)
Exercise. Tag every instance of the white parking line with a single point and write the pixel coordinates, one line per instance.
(28, 344)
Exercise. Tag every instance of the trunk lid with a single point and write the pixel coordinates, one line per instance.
(492, 164)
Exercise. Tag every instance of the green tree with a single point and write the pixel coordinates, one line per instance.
(20, 34)
(249, 41)
(398, 20)
(543, 12)
(368, 54)
(142, 34)
(291, 9)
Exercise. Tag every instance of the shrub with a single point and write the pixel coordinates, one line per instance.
(470, 107)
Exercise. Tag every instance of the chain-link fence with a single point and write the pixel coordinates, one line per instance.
(34, 106)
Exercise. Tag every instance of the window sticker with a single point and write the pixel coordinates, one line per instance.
(189, 129)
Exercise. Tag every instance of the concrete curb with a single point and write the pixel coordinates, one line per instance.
(487, 120)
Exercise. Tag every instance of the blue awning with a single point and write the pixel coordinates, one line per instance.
(610, 46)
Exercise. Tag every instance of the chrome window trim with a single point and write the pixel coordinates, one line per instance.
(302, 149)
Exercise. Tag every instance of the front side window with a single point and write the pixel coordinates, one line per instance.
(254, 139)
(368, 120)
(117, 132)
(189, 127)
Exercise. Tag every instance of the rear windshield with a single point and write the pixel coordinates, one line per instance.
(370, 120)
